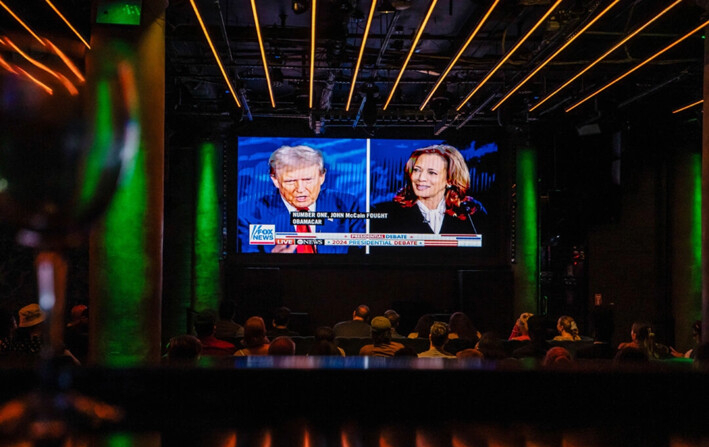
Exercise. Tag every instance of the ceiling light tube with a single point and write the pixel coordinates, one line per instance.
(28, 58)
(372, 9)
(460, 53)
(4, 64)
(74, 69)
(313, 18)
(509, 54)
(263, 53)
(604, 55)
(39, 83)
(643, 63)
(556, 53)
(61, 16)
(411, 52)
(214, 52)
(71, 88)
(688, 106)
(24, 25)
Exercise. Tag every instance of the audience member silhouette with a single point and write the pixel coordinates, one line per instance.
(438, 337)
(25, 346)
(490, 345)
(423, 326)
(394, 318)
(279, 324)
(538, 345)
(325, 343)
(520, 331)
(568, 330)
(381, 346)
(696, 337)
(282, 346)
(557, 356)
(643, 338)
(358, 326)
(462, 327)
(470, 353)
(255, 340)
(226, 328)
(183, 350)
(204, 327)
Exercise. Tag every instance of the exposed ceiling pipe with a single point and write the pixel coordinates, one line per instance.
(387, 38)
(240, 90)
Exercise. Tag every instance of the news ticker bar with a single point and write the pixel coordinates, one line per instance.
(375, 240)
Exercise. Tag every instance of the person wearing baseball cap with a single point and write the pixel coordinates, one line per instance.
(381, 346)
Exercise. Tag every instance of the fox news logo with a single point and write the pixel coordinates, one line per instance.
(262, 234)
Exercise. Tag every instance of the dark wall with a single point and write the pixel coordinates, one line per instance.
(328, 295)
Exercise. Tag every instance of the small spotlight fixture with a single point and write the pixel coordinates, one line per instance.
(300, 6)
(385, 7)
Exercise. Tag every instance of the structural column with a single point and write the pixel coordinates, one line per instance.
(126, 246)
(525, 242)
(705, 193)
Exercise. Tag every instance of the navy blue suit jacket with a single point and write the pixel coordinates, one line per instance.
(271, 210)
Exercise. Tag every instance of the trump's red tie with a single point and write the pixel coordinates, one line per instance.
(304, 229)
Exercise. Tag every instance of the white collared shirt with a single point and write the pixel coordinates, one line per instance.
(434, 217)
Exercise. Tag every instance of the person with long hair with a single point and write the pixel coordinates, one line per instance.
(255, 341)
(434, 197)
(462, 327)
(568, 330)
(643, 338)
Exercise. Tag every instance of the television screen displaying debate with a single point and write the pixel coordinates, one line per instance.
(370, 197)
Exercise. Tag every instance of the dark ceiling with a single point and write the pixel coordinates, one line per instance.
(195, 85)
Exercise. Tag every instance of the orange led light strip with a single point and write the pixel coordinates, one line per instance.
(604, 55)
(45, 87)
(313, 17)
(263, 53)
(24, 25)
(460, 53)
(509, 54)
(4, 64)
(214, 52)
(688, 106)
(61, 78)
(556, 53)
(68, 24)
(411, 52)
(361, 52)
(74, 69)
(643, 63)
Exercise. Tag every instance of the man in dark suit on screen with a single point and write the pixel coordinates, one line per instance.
(298, 173)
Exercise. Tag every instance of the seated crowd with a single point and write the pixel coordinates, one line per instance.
(532, 337)
(216, 334)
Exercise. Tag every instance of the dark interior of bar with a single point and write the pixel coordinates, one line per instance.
(353, 223)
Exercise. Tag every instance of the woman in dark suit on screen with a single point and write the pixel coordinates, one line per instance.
(433, 199)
